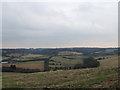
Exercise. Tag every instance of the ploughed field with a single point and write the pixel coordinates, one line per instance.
(104, 76)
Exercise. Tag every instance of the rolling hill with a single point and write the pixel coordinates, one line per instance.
(104, 76)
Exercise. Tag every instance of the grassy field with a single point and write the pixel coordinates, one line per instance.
(64, 53)
(111, 62)
(105, 76)
(68, 60)
(25, 57)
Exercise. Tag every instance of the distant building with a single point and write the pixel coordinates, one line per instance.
(3, 62)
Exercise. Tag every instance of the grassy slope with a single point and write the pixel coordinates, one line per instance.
(68, 62)
(103, 76)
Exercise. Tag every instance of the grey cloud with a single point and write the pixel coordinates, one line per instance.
(0, 24)
(53, 24)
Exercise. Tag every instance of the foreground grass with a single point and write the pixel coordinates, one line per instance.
(103, 76)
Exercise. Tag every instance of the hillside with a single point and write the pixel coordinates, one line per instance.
(105, 76)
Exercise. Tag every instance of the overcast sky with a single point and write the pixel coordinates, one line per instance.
(59, 24)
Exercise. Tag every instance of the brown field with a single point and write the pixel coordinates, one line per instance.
(32, 56)
(31, 65)
(14, 54)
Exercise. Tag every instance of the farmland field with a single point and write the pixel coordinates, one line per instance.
(68, 60)
(104, 76)
(29, 65)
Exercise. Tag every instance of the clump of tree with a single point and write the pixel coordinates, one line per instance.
(46, 65)
(77, 66)
(90, 62)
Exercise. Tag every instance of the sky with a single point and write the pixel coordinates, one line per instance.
(63, 24)
(0, 25)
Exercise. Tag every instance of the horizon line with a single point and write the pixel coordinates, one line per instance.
(61, 47)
